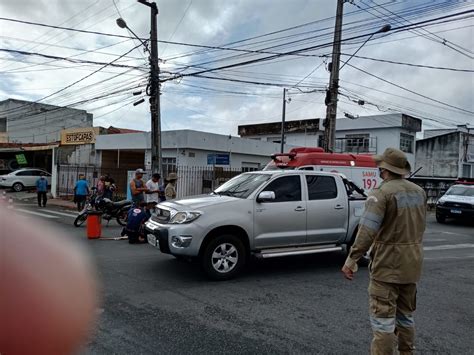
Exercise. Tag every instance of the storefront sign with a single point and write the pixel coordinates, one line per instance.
(21, 159)
(218, 159)
(78, 136)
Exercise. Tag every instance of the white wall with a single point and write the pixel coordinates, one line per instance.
(39, 123)
(386, 138)
(237, 160)
(179, 144)
(84, 154)
(292, 139)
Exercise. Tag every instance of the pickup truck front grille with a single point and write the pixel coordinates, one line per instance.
(161, 215)
(458, 205)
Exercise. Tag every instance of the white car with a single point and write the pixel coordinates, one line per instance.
(23, 178)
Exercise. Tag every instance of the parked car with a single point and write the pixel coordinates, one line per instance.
(266, 214)
(23, 178)
(457, 203)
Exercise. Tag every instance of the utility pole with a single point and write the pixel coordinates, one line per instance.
(331, 94)
(156, 158)
(283, 115)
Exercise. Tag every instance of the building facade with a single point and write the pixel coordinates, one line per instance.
(443, 157)
(29, 122)
(190, 148)
(368, 134)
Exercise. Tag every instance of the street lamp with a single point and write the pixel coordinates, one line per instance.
(384, 29)
(122, 24)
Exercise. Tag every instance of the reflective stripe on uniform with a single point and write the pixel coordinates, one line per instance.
(405, 320)
(384, 325)
(409, 199)
(371, 220)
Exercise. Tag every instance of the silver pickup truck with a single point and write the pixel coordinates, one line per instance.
(267, 214)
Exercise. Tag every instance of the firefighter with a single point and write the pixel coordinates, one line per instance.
(392, 227)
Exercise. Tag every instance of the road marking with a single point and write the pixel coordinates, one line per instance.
(62, 213)
(458, 234)
(36, 213)
(450, 257)
(434, 240)
(449, 246)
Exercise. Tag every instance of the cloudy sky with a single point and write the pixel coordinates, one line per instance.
(257, 32)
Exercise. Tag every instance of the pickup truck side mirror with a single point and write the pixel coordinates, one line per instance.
(266, 196)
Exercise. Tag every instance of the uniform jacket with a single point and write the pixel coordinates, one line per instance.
(170, 192)
(393, 224)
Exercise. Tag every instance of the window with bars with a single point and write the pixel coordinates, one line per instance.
(168, 165)
(406, 142)
(3, 124)
(358, 143)
(246, 167)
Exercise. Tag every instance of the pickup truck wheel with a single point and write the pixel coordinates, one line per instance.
(224, 257)
(440, 218)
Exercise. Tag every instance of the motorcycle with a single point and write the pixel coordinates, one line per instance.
(110, 209)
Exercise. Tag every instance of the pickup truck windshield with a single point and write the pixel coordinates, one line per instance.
(243, 185)
(461, 191)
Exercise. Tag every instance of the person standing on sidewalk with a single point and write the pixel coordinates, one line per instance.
(101, 186)
(392, 227)
(109, 187)
(138, 188)
(170, 190)
(42, 190)
(154, 190)
(81, 191)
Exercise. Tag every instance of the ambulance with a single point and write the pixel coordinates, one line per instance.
(359, 168)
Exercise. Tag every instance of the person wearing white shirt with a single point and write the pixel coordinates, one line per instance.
(153, 186)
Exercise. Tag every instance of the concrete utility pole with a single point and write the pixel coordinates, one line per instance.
(331, 95)
(155, 108)
(283, 116)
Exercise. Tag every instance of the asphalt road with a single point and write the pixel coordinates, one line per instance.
(152, 303)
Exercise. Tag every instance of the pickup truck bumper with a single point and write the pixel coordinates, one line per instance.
(455, 212)
(173, 239)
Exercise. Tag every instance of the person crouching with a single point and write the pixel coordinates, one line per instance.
(135, 228)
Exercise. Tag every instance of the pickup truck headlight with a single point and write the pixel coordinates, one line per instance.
(440, 203)
(184, 217)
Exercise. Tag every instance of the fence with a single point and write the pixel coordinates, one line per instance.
(69, 174)
(191, 180)
(201, 180)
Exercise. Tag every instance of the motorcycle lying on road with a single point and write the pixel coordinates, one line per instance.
(110, 209)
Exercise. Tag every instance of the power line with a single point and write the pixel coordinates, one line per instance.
(246, 81)
(296, 52)
(177, 25)
(411, 91)
(443, 41)
(305, 38)
(251, 61)
(410, 64)
(81, 79)
(67, 59)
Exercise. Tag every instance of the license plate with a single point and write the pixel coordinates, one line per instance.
(151, 239)
(456, 211)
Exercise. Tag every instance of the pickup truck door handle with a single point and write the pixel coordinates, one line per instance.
(300, 209)
(338, 207)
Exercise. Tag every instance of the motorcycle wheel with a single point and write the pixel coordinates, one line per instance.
(80, 219)
(122, 217)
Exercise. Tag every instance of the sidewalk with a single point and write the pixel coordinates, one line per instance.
(62, 203)
(30, 197)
